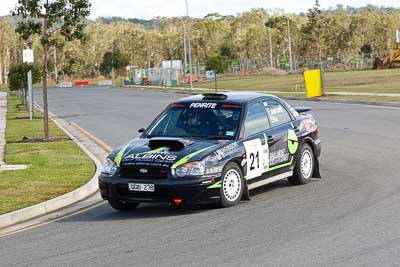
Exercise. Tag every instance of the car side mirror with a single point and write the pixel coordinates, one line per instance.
(141, 130)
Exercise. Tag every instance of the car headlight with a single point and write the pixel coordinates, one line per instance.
(190, 169)
(109, 167)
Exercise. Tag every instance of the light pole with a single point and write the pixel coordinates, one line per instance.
(55, 63)
(112, 63)
(270, 48)
(185, 52)
(14, 40)
(189, 46)
(290, 44)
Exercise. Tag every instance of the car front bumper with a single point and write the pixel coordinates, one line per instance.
(189, 191)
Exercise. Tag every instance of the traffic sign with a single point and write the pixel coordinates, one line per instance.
(27, 56)
(398, 36)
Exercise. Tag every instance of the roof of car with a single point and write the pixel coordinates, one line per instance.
(237, 97)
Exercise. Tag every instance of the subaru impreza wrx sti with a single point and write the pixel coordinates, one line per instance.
(213, 148)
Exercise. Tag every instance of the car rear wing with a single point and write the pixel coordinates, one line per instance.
(302, 109)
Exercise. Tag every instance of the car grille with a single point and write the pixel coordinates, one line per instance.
(135, 172)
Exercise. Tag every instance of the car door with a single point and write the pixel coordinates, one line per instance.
(256, 126)
(280, 158)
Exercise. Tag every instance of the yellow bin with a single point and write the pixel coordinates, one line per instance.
(312, 80)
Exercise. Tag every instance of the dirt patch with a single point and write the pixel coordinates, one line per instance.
(71, 116)
(274, 71)
(339, 67)
(27, 118)
(39, 140)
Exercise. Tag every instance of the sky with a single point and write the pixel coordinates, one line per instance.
(147, 9)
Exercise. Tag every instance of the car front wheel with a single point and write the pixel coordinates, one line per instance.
(232, 185)
(304, 168)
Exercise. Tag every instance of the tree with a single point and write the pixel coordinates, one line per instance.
(18, 78)
(45, 18)
(217, 64)
(225, 51)
(312, 30)
(113, 60)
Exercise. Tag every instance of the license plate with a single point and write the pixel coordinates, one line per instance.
(141, 187)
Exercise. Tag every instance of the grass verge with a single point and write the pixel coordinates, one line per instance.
(297, 95)
(369, 81)
(55, 168)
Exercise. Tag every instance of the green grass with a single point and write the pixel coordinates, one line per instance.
(54, 168)
(368, 98)
(375, 81)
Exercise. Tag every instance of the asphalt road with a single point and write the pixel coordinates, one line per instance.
(349, 218)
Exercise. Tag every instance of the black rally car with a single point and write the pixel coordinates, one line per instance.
(213, 148)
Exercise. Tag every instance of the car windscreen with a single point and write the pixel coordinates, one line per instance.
(203, 120)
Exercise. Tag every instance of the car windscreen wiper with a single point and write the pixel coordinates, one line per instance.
(218, 137)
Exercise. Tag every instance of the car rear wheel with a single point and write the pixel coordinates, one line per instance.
(122, 206)
(304, 168)
(232, 185)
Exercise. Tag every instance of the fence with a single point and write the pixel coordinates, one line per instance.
(255, 65)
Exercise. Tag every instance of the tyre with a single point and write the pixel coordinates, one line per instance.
(304, 168)
(232, 185)
(122, 206)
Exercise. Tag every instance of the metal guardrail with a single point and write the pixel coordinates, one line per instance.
(64, 84)
(105, 83)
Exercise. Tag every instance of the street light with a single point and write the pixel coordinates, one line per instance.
(185, 53)
(290, 44)
(14, 40)
(271, 62)
(189, 46)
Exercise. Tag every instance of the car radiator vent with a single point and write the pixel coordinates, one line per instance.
(138, 172)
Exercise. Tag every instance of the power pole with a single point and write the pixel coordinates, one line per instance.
(189, 47)
(185, 51)
(270, 48)
(45, 63)
(30, 94)
(290, 44)
(55, 63)
(112, 63)
(15, 49)
(14, 42)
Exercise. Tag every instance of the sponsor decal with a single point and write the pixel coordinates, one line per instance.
(277, 110)
(226, 150)
(282, 165)
(214, 170)
(152, 157)
(203, 105)
(293, 142)
(230, 133)
(278, 157)
(257, 158)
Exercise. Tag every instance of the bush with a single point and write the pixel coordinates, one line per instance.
(217, 63)
(18, 78)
